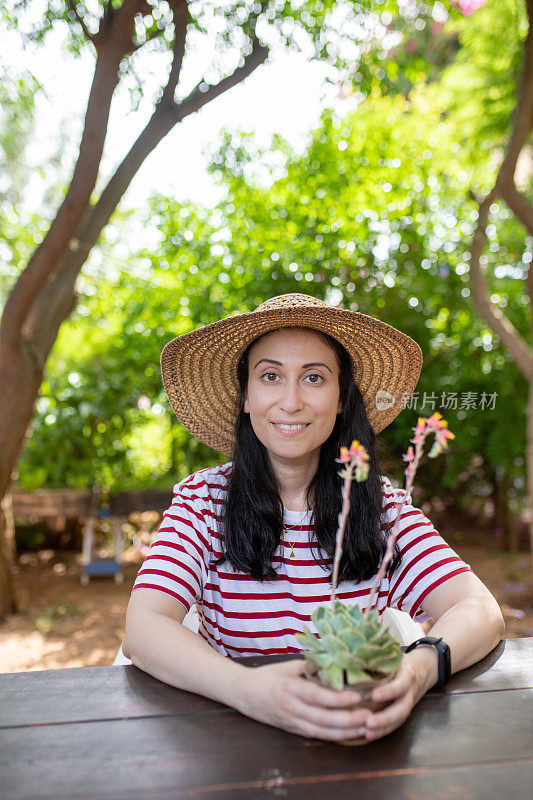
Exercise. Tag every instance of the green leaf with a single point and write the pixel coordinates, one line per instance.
(335, 677)
(322, 659)
(308, 639)
(356, 676)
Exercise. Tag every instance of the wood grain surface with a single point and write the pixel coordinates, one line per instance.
(125, 691)
(105, 733)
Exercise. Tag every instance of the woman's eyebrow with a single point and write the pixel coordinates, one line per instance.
(304, 366)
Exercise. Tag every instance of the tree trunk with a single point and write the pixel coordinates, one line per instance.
(529, 463)
(22, 377)
(8, 601)
(44, 294)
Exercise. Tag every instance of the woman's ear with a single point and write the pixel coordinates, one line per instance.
(246, 407)
(339, 407)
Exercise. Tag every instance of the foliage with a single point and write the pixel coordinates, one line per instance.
(390, 253)
(376, 213)
(479, 87)
(18, 229)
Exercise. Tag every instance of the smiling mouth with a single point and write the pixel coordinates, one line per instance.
(292, 428)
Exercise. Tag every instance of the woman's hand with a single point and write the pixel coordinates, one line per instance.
(278, 695)
(416, 674)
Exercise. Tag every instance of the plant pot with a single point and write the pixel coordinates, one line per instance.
(364, 689)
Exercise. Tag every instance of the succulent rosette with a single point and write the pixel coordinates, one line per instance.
(354, 649)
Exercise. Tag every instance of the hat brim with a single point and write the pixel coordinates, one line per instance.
(199, 368)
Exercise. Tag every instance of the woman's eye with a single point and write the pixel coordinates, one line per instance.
(314, 375)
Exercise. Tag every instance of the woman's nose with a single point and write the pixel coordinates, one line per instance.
(291, 397)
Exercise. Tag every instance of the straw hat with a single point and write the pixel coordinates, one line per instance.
(199, 368)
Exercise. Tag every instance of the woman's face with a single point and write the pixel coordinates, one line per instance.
(293, 379)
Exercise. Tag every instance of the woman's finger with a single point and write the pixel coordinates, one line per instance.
(313, 731)
(391, 717)
(316, 695)
(343, 719)
(371, 735)
(395, 688)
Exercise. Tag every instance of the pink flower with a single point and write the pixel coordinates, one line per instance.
(358, 453)
(410, 455)
(420, 425)
(442, 435)
(436, 422)
(355, 457)
(344, 456)
(468, 6)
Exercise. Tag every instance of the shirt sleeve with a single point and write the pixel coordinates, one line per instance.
(177, 558)
(427, 561)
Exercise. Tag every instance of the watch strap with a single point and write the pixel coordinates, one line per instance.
(443, 652)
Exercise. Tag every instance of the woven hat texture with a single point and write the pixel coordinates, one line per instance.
(199, 368)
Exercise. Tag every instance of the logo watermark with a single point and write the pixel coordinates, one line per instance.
(451, 401)
(445, 401)
(384, 400)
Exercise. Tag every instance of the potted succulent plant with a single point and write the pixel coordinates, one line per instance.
(354, 649)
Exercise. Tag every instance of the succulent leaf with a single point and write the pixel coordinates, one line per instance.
(356, 676)
(308, 639)
(389, 664)
(341, 623)
(356, 613)
(324, 628)
(334, 645)
(335, 677)
(323, 660)
(347, 661)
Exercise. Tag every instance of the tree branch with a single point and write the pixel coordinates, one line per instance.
(512, 340)
(197, 99)
(519, 204)
(181, 18)
(113, 41)
(522, 120)
(44, 259)
(505, 188)
(117, 26)
(72, 6)
(56, 299)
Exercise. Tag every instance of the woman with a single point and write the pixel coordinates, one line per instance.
(252, 541)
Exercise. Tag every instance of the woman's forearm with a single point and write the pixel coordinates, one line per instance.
(162, 647)
(471, 628)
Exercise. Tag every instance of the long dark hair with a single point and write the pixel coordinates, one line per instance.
(252, 520)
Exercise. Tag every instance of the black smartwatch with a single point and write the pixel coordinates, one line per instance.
(443, 651)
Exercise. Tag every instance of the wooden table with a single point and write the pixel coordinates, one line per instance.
(116, 732)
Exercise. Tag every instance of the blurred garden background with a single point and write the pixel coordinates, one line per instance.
(377, 155)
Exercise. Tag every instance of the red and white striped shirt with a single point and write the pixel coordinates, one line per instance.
(241, 616)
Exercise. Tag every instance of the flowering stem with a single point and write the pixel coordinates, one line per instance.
(340, 531)
(391, 541)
